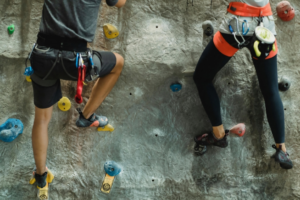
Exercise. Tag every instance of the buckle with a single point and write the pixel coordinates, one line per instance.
(233, 9)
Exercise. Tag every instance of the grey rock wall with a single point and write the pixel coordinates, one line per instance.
(154, 127)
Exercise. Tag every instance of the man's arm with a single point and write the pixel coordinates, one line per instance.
(117, 3)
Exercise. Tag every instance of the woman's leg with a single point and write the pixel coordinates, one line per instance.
(210, 62)
(268, 81)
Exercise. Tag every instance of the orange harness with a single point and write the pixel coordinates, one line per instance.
(245, 10)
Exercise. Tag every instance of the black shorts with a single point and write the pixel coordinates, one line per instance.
(42, 61)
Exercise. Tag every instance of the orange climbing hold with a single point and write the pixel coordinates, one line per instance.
(239, 129)
(285, 11)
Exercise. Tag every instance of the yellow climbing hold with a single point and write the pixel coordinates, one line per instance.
(64, 104)
(28, 79)
(107, 183)
(108, 127)
(43, 193)
(110, 31)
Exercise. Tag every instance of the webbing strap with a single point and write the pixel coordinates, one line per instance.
(41, 82)
(245, 10)
(81, 77)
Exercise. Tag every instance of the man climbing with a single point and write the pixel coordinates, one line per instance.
(65, 28)
(239, 29)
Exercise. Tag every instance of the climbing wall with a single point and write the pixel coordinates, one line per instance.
(161, 42)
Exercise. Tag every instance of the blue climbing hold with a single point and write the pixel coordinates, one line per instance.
(28, 71)
(176, 87)
(112, 168)
(11, 129)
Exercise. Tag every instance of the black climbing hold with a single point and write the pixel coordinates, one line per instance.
(284, 84)
(176, 87)
(208, 28)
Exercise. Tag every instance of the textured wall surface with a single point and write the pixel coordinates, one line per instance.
(154, 127)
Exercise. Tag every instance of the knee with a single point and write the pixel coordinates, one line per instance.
(42, 120)
(42, 117)
(200, 79)
(120, 3)
(119, 63)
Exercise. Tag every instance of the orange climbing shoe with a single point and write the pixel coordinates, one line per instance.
(239, 129)
(93, 121)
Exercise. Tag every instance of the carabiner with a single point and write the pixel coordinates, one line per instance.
(77, 58)
(243, 27)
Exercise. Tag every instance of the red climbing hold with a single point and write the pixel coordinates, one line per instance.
(285, 11)
(239, 129)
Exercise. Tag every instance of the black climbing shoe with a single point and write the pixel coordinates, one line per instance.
(41, 179)
(207, 139)
(93, 121)
(199, 150)
(282, 158)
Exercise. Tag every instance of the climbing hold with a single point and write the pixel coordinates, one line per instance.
(208, 28)
(112, 168)
(107, 183)
(239, 129)
(108, 127)
(284, 84)
(285, 11)
(11, 29)
(11, 129)
(110, 31)
(64, 104)
(28, 79)
(176, 87)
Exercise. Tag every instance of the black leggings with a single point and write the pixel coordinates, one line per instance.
(211, 61)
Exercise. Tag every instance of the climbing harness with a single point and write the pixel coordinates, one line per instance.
(28, 58)
(245, 10)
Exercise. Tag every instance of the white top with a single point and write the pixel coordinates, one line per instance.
(252, 21)
(256, 3)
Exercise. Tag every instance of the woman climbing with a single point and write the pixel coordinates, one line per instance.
(250, 24)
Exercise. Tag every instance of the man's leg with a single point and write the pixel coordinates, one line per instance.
(102, 87)
(40, 137)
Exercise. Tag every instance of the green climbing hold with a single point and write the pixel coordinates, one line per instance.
(11, 29)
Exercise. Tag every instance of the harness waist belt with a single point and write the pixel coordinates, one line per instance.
(66, 44)
(245, 10)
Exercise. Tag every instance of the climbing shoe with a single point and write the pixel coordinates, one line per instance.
(199, 149)
(282, 158)
(207, 139)
(41, 179)
(42, 183)
(93, 121)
